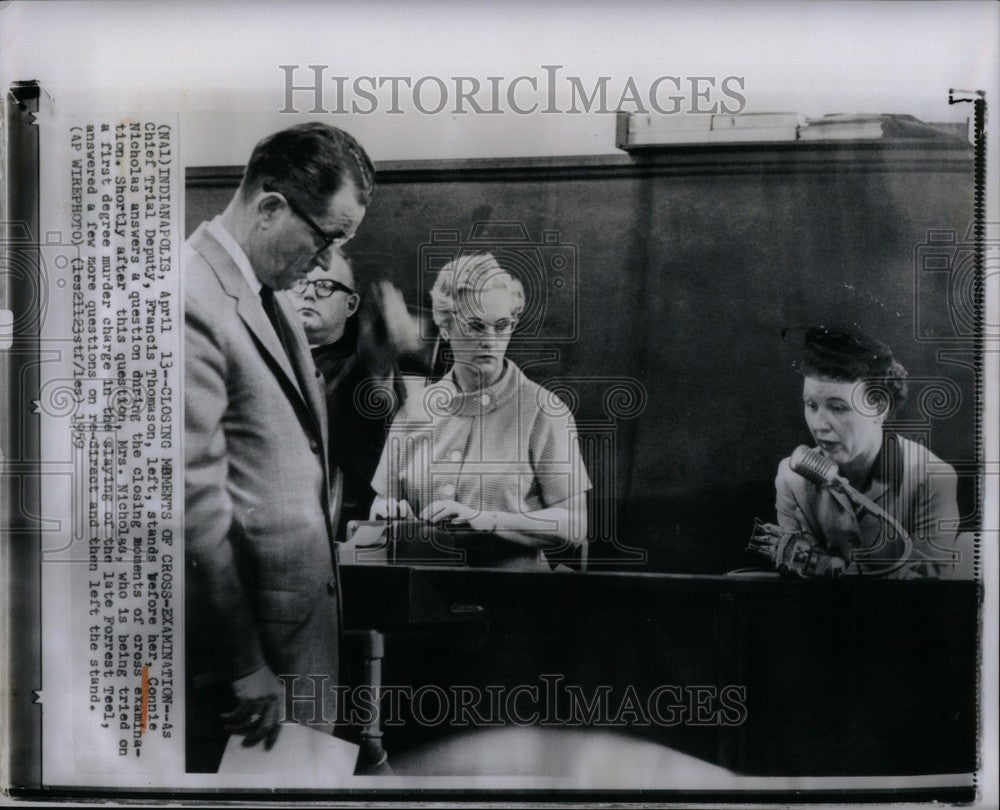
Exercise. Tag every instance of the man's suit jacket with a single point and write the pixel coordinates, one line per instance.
(261, 578)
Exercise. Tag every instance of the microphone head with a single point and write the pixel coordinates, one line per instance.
(812, 465)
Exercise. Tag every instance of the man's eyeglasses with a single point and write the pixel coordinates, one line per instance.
(327, 240)
(477, 327)
(325, 287)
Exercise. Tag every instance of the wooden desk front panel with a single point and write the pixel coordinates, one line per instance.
(840, 678)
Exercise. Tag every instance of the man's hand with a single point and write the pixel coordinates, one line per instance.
(458, 513)
(403, 328)
(258, 698)
(388, 508)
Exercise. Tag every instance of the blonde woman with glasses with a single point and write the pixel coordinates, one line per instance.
(485, 448)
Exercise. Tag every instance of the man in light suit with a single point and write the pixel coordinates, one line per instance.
(261, 588)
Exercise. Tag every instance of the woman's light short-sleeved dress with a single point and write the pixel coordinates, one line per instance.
(512, 447)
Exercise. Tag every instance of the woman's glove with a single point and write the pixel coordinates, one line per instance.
(793, 553)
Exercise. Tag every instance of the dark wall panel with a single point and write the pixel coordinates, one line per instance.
(679, 272)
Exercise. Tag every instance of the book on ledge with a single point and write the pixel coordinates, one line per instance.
(842, 126)
(647, 131)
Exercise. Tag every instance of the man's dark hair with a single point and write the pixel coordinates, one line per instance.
(309, 162)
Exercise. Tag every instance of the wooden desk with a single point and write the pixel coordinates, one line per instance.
(850, 677)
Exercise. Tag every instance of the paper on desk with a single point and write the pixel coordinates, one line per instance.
(367, 545)
(301, 757)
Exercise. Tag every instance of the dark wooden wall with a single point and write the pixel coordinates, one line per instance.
(663, 283)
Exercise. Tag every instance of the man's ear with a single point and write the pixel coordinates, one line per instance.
(269, 204)
(353, 302)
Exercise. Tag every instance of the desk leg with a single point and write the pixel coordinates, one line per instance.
(373, 759)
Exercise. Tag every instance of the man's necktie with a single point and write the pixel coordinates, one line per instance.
(271, 308)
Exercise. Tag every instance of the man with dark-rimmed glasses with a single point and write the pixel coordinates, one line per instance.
(261, 582)
(357, 339)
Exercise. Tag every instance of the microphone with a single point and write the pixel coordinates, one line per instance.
(812, 465)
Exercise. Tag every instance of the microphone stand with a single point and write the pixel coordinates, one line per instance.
(839, 484)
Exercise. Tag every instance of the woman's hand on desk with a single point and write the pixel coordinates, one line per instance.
(455, 512)
(543, 528)
(389, 508)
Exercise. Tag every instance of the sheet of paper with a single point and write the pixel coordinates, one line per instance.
(301, 757)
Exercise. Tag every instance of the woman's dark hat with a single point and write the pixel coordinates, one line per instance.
(844, 354)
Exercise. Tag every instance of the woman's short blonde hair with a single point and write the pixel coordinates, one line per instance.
(474, 273)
